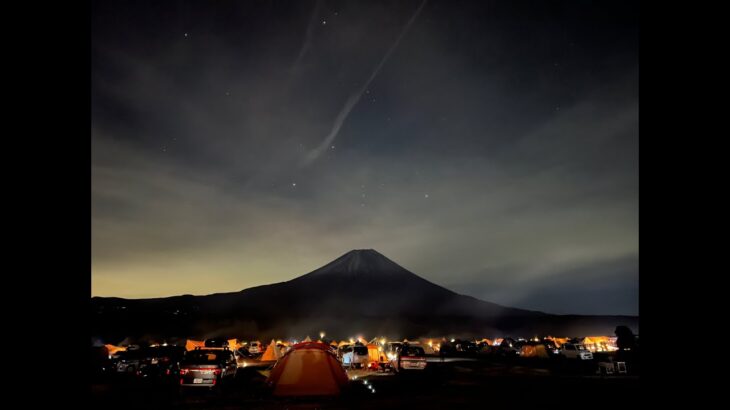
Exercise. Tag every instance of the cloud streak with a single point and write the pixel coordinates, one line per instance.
(355, 97)
(308, 35)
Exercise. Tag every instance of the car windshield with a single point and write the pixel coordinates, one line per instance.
(361, 350)
(206, 356)
(580, 347)
(413, 351)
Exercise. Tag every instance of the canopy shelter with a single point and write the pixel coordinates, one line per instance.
(600, 343)
(375, 353)
(307, 339)
(308, 369)
(558, 340)
(193, 344)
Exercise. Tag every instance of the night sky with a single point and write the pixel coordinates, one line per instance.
(488, 146)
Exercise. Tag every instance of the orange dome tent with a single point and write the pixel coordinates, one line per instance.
(308, 369)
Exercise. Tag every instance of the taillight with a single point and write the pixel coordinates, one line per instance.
(181, 380)
(167, 372)
(184, 371)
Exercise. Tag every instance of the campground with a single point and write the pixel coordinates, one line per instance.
(453, 383)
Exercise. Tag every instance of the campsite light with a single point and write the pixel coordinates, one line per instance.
(352, 340)
(453, 340)
(382, 340)
(321, 335)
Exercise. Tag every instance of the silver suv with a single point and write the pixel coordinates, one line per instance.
(575, 351)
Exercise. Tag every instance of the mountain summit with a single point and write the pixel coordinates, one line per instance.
(360, 262)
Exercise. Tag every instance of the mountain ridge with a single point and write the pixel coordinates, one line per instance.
(360, 291)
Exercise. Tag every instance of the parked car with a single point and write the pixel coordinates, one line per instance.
(551, 347)
(243, 357)
(161, 361)
(207, 368)
(129, 361)
(355, 355)
(510, 347)
(409, 358)
(467, 346)
(575, 351)
(216, 343)
(255, 347)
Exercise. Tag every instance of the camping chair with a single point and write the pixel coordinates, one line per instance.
(605, 368)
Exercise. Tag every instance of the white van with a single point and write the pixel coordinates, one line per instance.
(575, 351)
(354, 355)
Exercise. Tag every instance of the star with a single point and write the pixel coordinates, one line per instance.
(324, 22)
(426, 196)
(332, 147)
(186, 34)
(293, 184)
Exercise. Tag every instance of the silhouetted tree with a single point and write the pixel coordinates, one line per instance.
(625, 338)
(627, 347)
